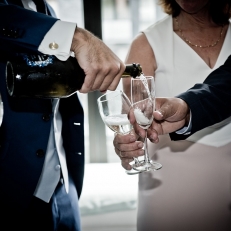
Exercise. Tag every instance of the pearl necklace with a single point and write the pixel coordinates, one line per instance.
(195, 45)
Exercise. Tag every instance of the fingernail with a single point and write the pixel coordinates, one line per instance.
(160, 113)
(155, 141)
(140, 145)
(152, 138)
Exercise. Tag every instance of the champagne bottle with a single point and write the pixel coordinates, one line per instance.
(44, 76)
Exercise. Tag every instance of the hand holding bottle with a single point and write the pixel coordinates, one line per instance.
(44, 76)
(103, 69)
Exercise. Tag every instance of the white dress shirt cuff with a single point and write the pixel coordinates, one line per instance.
(61, 34)
(186, 130)
(29, 5)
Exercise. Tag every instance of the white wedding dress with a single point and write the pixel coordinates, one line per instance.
(192, 192)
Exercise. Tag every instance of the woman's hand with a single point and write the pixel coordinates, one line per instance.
(127, 147)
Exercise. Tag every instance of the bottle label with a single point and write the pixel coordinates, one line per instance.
(38, 60)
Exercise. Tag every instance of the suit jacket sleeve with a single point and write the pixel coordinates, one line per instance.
(210, 102)
(22, 30)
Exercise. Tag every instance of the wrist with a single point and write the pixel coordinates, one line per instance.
(187, 118)
(80, 37)
(186, 112)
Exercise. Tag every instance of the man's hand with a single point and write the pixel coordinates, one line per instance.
(171, 114)
(102, 67)
(127, 147)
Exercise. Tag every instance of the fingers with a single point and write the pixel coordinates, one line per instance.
(131, 116)
(153, 134)
(138, 130)
(172, 114)
(127, 156)
(164, 108)
(103, 69)
(127, 147)
(115, 80)
(103, 77)
(158, 115)
(171, 109)
(124, 139)
(130, 150)
(126, 163)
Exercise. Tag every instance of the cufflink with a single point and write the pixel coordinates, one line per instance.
(53, 46)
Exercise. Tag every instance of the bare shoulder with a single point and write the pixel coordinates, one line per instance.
(141, 52)
(141, 41)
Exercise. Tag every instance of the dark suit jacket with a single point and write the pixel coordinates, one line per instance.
(210, 102)
(26, 124)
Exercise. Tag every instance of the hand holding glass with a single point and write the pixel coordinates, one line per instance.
(114, 107)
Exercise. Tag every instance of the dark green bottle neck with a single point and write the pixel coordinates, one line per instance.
(132, 70)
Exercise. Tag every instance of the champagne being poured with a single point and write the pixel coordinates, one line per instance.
(44, 76)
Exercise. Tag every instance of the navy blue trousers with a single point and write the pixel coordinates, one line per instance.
(60, 214)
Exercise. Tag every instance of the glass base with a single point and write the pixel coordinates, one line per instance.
(144, 166)
(134, 171)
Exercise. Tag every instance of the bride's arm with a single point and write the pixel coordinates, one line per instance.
(140, 52)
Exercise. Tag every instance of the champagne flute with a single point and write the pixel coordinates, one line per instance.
(114, 107)
(143, 103)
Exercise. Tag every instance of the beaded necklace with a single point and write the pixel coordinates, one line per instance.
(195, 45)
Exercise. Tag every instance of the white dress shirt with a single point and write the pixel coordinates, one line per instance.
(186, 130)
(55, 160)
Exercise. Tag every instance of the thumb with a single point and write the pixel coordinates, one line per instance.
(164, 109)
(171, 109)
(158, 115)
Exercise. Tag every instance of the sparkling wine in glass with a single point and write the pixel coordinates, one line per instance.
(143, 104)
(114, 107)
(118, 123)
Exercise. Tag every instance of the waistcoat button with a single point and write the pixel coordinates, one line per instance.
(40, 153)
(46, 117)
(57, 167)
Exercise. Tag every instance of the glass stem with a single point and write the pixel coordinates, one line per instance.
(146, 155)
(136, 160)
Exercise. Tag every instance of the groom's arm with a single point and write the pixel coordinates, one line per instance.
(22, 30)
